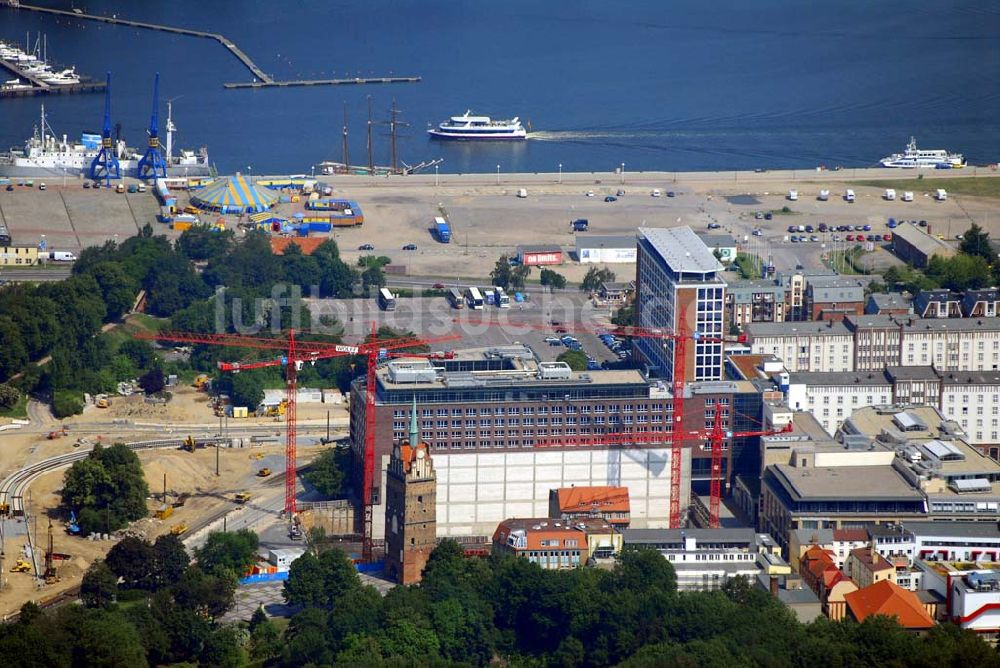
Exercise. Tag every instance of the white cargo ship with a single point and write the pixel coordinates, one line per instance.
(46, 154)
(913, 157)
(469, 127)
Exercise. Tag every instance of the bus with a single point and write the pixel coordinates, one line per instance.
(455, 298)
(386, 300)
(475, 299)
(503, 299)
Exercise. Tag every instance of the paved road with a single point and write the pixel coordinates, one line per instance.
(35, 274)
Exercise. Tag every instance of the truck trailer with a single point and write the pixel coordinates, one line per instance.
(442, 229)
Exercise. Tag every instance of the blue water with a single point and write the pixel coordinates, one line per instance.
(681, 85)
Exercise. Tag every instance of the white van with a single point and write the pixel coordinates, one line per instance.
(941, 195)
(824, 195)
(793, 195)
(889, 195)
(62, 256)
(655, 193)
(907, 195)
(849, 195)
(522, 193)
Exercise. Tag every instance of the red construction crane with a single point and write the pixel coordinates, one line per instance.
(298, 352)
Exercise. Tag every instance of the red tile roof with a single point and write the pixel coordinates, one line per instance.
(887, 598)
(850, 535)
(593, 499)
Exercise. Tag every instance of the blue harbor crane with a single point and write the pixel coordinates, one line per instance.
(152, 164)
(105, 163)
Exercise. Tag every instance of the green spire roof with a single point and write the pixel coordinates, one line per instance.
(414, 428)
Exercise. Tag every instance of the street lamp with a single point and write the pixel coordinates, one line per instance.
(250, 174)
(312, 171)
(560, 172)
(498, 174)
(623, 173)
(435, 176)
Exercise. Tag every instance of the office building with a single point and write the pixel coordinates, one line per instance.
(484, 413)
(679, 288)
(805, 346)
(556, 545)
(705, 559)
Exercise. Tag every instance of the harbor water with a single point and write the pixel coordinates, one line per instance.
(676, 86)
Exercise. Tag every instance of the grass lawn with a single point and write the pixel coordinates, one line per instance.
(18, 410)
(980, 186)
(844, 261)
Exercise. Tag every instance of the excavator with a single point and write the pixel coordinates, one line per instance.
(21, 566)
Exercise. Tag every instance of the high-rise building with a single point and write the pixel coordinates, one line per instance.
(679, 287)
(410, 507)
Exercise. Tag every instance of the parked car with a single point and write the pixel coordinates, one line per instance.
(850, 237)
(867, 228)
(768, 216)
(814, 238)
(714, 226)
(610, 198)
(886, 237)
(410, 247)
(438, 286)
(620, 193)
(590, 193)
(671, 193)
(923, 223)
(364, 247)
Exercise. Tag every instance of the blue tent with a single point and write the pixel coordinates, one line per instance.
(233, 194)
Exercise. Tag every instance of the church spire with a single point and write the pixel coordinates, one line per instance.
(414, 429)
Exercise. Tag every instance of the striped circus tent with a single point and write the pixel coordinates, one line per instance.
(233, 194)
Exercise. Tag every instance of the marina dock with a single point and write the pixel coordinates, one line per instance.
(39, 87)
(261, 78)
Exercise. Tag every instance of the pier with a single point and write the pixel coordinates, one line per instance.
(261, 78)
(324, 82)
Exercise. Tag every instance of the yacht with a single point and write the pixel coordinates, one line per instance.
(14, 84)
(65, 77)
(468, 126)
(913, 157)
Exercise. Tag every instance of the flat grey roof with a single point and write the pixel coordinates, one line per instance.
(712, 240)
(891, 299)
(605, 241)
(913, 323)
(838, 378)
(925, 243)
(911, 373)
(791, 329)
(971, 377)
(958, 529)
(875, 483)
(739, 535)
(681, 248)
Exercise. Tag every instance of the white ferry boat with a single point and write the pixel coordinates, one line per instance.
(913, 157)
(45, 154)
(468, 127)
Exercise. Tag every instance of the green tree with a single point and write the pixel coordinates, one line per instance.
(325, 473)
(99, 587)
(118, 288)
(553, 279)
(103, 638)
(645, 569)
(131, 559)
(265, 640)
(234, 552)
(594, 277)
(576, 359)
(501, 274)
(518, 275)
(248, 390)
(976, 242)
(207, 594)
(152, 381)
(66, 403)
(224, 648)
(83, 482)
(170, 557)
(625, 316)
(9, 395)
(203, 243)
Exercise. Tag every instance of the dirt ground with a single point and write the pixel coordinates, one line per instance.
(191, 474)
